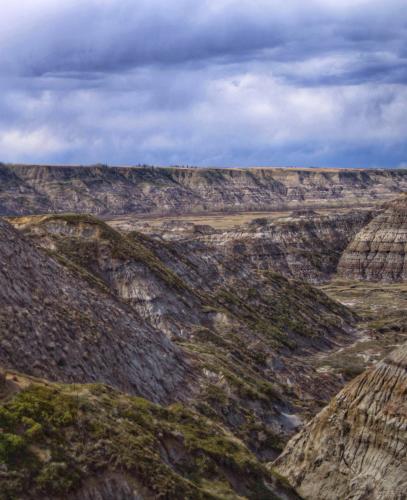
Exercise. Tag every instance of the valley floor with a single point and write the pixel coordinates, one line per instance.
(382, 309)
(217, 220)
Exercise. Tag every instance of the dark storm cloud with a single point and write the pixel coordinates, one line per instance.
(79, 38)
(209, 82)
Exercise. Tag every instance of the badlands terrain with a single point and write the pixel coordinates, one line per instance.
(203, 333)
(104, 191)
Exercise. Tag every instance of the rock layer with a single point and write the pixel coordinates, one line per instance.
(356, 448)
(166, 286)
(379, 251)
(303, 247)
(110, 191)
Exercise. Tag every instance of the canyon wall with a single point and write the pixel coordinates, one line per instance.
(101, 190)
(240, 331)
(304, 246)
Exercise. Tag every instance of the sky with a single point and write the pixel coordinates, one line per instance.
(204, 82)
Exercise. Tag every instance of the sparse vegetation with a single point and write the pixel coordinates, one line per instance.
(257, 320)
(381, 308)
(54, 436)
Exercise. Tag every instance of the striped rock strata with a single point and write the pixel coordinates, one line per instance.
(356, 448)
(379, 251)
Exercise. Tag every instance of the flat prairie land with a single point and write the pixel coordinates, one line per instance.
(380, 305)
(217, 220)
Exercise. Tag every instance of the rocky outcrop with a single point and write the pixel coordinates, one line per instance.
(305, 247)
(379, 251)
(55, 324)
(123, 265)
(356, 448)
(103, 190)
(199, 318)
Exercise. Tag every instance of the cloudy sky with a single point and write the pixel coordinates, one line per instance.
(204, 82)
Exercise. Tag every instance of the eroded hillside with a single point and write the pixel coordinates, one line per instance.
(249, 335)
(303, 245)
(379, 250)
(221, 326)
(54, 324)
(357, 446)
(91, 442)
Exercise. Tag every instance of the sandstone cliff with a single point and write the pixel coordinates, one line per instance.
(379, 250)
(356, 448)
(107, 191)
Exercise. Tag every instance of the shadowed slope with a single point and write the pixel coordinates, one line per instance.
(250, 336)
(54, 324)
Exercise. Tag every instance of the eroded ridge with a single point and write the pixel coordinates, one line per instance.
(357, 446)
(379, 250)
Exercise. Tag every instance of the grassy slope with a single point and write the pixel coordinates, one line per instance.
(55, 436)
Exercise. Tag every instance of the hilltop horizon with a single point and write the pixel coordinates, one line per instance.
(198, 167)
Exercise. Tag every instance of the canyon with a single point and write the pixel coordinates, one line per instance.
(202, 333)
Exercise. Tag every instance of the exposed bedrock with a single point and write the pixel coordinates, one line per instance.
(250, 335)
(304, 247)
(379, 251)
(356, 448)
(103, 190)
